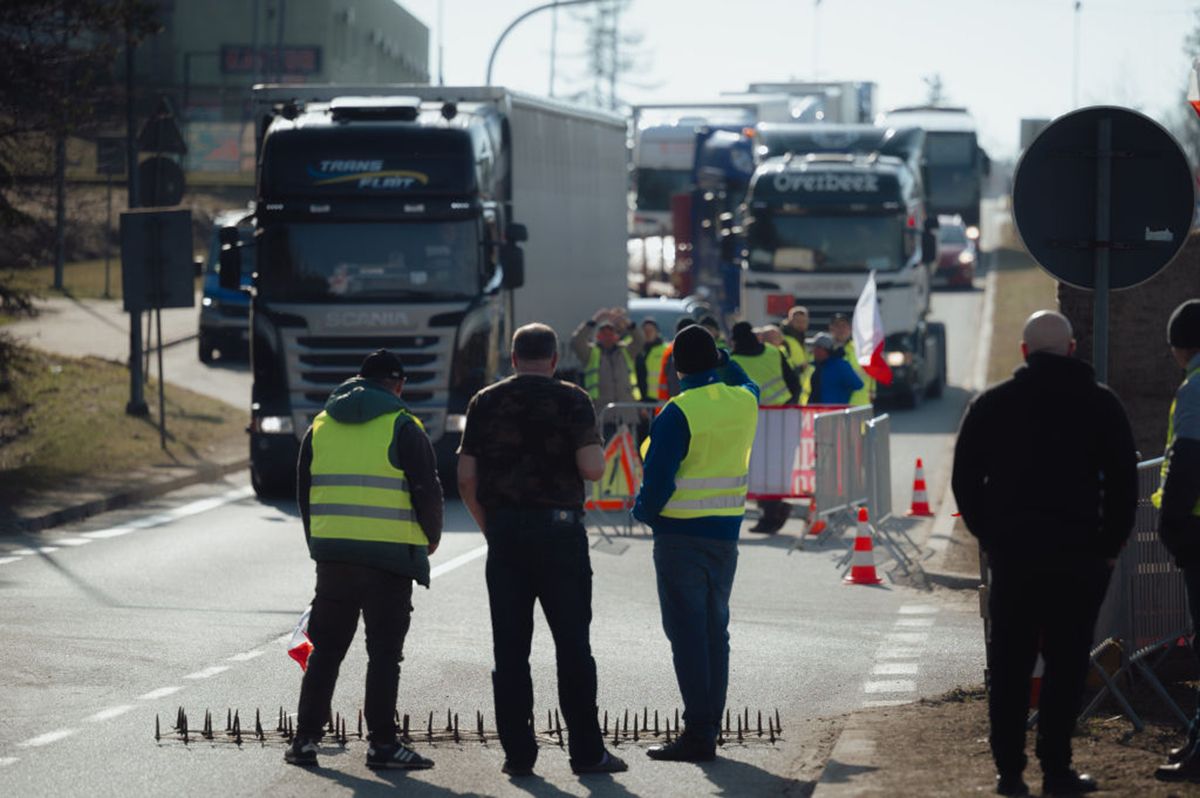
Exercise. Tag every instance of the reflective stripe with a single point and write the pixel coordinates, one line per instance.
(711, 503)
(362, 511)
(358, 481)
(773, 389)
(703, 483)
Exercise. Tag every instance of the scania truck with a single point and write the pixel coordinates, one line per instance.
(393, 217)
(828, 205)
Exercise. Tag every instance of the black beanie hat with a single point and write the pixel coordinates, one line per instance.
(695, 351)
(1183, 330)
(743, 334)
(382, 365)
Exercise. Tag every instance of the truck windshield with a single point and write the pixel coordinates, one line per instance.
(370, 261)
(950, 149)
(655, 187)
(826, 243)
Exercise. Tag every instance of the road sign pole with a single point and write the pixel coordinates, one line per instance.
(1102, 244)
(107, 235)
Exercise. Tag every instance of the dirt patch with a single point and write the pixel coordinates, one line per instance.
(940, 747)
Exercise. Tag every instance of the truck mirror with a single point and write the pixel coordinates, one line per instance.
(512, 259)
(228, 236)
(230, 272)
(198, 266)
(516, 233)
(985, 163)
(928, 247)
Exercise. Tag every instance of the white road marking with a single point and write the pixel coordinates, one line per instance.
(891, 686)
(47, 549)
(906, 638)
(895, 669)
(898, 652)
(460, 560)
(161, 692)
(47, 738)
(207, 672)
(5, 761)
(918, 609)
(23, 552)
(72, 541)
(892, 702)
(159, 519)
(915, 623)
(109, 714)
(246, 656)
(7, 560)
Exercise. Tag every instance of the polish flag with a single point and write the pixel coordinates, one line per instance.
(300, 646)
(868, 335)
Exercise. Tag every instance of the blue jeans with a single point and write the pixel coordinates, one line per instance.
(695, 579)
(534, 559)
(1191, 579)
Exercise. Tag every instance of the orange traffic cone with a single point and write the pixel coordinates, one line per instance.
(862, 562)
(815, 525)
(920, 499)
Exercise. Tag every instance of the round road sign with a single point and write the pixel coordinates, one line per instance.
(1059, 191)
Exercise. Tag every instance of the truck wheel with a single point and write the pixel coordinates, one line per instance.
(937, 386)
(206, 348)
(272, 487)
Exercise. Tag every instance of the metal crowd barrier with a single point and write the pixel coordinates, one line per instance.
(1145, 608)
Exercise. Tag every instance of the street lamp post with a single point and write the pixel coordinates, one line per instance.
(522, 18)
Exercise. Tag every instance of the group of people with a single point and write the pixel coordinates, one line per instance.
(371, 504)
(1044, 476)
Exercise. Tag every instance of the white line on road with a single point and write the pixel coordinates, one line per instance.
(898, 652)
(159, 519)
(461, 559)
(906, 638)
(915, 623)
(109, 714)
(23, 552)
(207, 672)
(895, 669)
(72, 541)
(161, 692)
(246, 656)
(891, 686)
(47, 738)
(918, 609)
(47, 549)
(7, 560)
(5, 761)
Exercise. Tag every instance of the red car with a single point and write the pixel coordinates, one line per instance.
(956, 255)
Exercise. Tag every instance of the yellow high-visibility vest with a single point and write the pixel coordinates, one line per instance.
(655, 353)
(863, 395)
(357, 494)
(713, 477)
(766, 370)
(1156, 497)
(591, 374)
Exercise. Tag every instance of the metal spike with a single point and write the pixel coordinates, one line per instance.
(479, 723)
(778, 725)
(740, 739)
(760, 723)
(343, 734)
(549, 722)
(396, 715)
(157, 730)
(746, 722)
(456, 738)
(668, 732)
(449, 723)
(771, 727)
(279, 726)
(429, 728)
(183, 715)
(635, 728)
(677, 720)
(616, 733)
(656, 723)
(406, 726)
(727, 727)
(626, 724)
(645, 717)
(558, 728)
(228, 720)
(360, 724)
(329, 728)
(605, 723)
(237, 724)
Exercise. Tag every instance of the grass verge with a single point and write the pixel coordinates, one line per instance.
(63, 419)
(83, 279)
(1021, 288)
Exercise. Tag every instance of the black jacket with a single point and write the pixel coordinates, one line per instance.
(1045, 469)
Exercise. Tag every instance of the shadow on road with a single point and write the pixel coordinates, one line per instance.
(386, 782)
(741, 778)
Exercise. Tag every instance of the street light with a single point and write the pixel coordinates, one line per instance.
(522, 18)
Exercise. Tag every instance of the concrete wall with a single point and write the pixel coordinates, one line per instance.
(1141, 369)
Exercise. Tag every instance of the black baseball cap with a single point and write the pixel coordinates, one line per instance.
(382, 365)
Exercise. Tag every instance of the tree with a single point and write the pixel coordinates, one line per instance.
(935, 93)
(1181, 119)
(57, 60)
(611, 55)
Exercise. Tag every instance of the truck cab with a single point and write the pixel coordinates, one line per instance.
(225, 312)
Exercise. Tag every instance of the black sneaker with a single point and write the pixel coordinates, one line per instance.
(396, 756)
(302, 752)
(684, 749)
(607, 764)
(1011, 784)
(516, 771)
(1068, 782)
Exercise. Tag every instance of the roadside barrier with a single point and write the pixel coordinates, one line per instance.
(610, 500)
(784, 459)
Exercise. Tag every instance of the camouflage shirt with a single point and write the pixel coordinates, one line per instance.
(524, 432)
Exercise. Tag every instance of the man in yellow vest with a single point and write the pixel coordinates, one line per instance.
(693, 496)
(842, 332)
(371, 502)
(609, 364)
(1179, 501)
(777, 385)
(649, 360)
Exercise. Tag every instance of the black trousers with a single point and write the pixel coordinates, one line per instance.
(385, 601)
(1057, 608)
(1191, 579)
(534, 558)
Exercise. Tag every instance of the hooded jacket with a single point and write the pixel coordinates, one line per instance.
(357, 401)
(1045, 469)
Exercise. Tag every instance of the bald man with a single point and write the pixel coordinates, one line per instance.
(1045, 476)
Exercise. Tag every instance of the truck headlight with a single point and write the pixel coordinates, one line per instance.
(274, 425)
(897, 359)
(965, 257)
(207, 302)
(456, 422)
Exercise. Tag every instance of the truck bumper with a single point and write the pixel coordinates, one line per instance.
(273, 463)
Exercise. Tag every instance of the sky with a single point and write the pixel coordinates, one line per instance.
(1002, 59)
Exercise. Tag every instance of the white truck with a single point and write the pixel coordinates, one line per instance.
(431, 221)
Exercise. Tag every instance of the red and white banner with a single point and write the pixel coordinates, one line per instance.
(300, 645)
(868, 335)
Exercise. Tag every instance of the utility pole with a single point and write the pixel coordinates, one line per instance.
(553, 44)
(1075, 71)
(816, 45)
(441, 23)
(60, 160)
(137, 398)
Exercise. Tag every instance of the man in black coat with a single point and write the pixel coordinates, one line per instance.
(1045, 475)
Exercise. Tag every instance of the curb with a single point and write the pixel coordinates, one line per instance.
(851, 762)
(78, 512)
